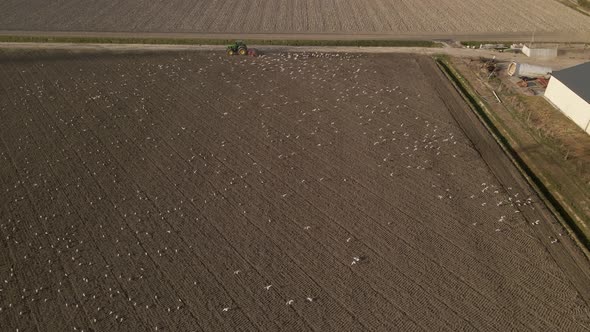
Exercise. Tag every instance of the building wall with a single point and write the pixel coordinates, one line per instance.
(540, 52)
(572, 105)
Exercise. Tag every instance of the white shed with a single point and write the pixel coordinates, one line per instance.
(569, 91)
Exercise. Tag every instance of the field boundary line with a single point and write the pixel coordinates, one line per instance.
(175, 40)
(505, 36)
(483, 114)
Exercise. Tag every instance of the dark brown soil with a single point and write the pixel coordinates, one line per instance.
(329, 192)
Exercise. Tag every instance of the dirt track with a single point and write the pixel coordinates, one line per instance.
(192, 191)
(569, 60)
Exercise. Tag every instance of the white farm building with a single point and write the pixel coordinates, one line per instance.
(569, 91)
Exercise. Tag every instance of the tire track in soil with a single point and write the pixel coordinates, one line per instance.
(104, 145)
(408, 250)
(34, 209)
(89, 217)
(101, 188)
(166, 156)
(13, 260)
(506, 173)
(236, 174)
(206, 135)
(72, 288)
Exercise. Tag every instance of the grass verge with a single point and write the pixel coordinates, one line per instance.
(492, 125)
(191, 41)
(477, 43)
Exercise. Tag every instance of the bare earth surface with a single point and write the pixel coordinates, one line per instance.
(298, 16)
(570, 59)
(189, 191)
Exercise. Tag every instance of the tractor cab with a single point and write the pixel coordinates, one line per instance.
(237, 48)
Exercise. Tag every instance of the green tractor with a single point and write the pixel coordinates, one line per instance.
(237, 48)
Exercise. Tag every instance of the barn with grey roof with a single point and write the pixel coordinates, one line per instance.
(569, 91)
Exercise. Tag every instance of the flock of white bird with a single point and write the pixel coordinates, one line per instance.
(60, 217)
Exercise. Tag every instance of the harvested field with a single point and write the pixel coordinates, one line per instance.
(331, 192)
(310, 16)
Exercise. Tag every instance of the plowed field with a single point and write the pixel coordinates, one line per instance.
(293, 16)
(329, 192)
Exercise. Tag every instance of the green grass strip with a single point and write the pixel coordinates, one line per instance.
(477, 43)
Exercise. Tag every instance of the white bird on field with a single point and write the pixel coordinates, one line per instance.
(267, 287)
